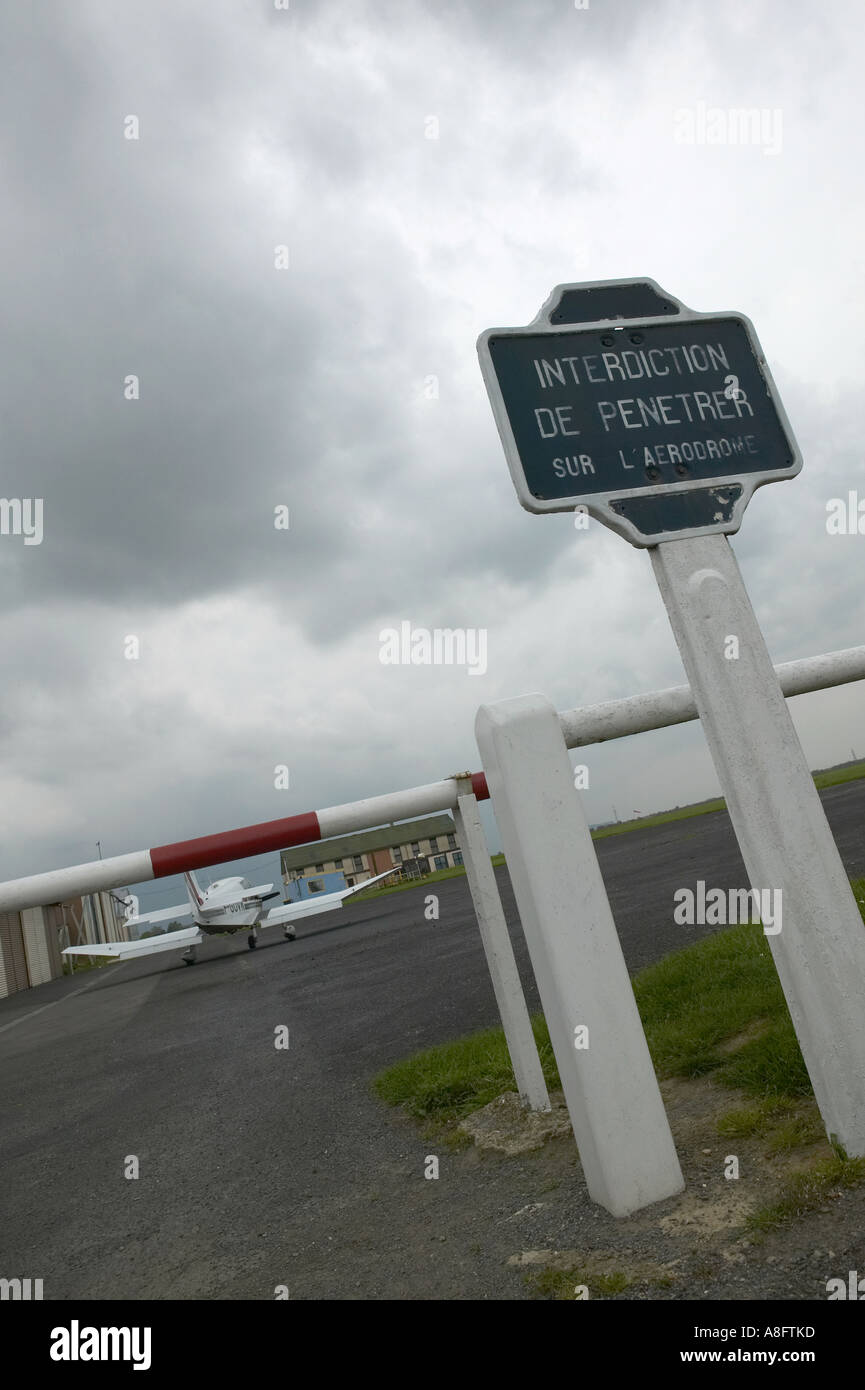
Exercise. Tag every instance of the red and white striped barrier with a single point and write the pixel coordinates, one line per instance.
(590, 724)
(59, 885)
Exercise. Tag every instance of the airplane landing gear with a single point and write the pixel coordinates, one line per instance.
(188, 957)
(290, 934)
(251, 941)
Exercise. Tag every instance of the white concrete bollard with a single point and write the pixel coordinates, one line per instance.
(612, 1094)
(502, 965)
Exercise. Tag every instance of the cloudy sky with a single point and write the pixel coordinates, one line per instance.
(321, 208)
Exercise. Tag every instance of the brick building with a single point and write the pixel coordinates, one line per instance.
(412, 848)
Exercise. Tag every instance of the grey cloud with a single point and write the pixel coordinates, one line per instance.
(260, 387)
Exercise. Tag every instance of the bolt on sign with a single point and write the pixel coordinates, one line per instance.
(657, 420)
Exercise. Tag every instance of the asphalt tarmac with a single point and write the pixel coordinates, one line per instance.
(261, 1167)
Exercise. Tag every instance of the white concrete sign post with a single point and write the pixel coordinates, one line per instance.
(779, 821)
(621, 403)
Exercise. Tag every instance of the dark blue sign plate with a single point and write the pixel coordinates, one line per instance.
(660, 426)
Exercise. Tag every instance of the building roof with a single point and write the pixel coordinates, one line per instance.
(403, 833)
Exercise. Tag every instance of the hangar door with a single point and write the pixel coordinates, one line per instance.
(13, 961)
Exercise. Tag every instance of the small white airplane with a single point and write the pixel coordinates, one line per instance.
(228, 905)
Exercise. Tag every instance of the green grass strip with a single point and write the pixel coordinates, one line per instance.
(692, 1004)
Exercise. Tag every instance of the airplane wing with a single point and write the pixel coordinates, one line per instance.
(368, 882)
(161, 914)
(290, 911)
(131, 950)
(320, 902)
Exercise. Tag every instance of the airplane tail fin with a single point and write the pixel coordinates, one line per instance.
(193, 890)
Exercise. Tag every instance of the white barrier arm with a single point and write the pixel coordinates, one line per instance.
(591, 724)
(657, 709)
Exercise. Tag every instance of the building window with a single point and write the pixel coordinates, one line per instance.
(315, 885)
(319, 868)
(397, 855)
(441, 861)
(358, 861)
(415, 849)
(452, 841)
(457, 856)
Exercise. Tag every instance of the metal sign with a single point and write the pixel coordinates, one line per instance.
(658, 421)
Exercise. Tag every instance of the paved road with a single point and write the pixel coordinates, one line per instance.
(261, 1167)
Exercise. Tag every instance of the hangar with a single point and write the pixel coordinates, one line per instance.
(31, 941)
(29, 948)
